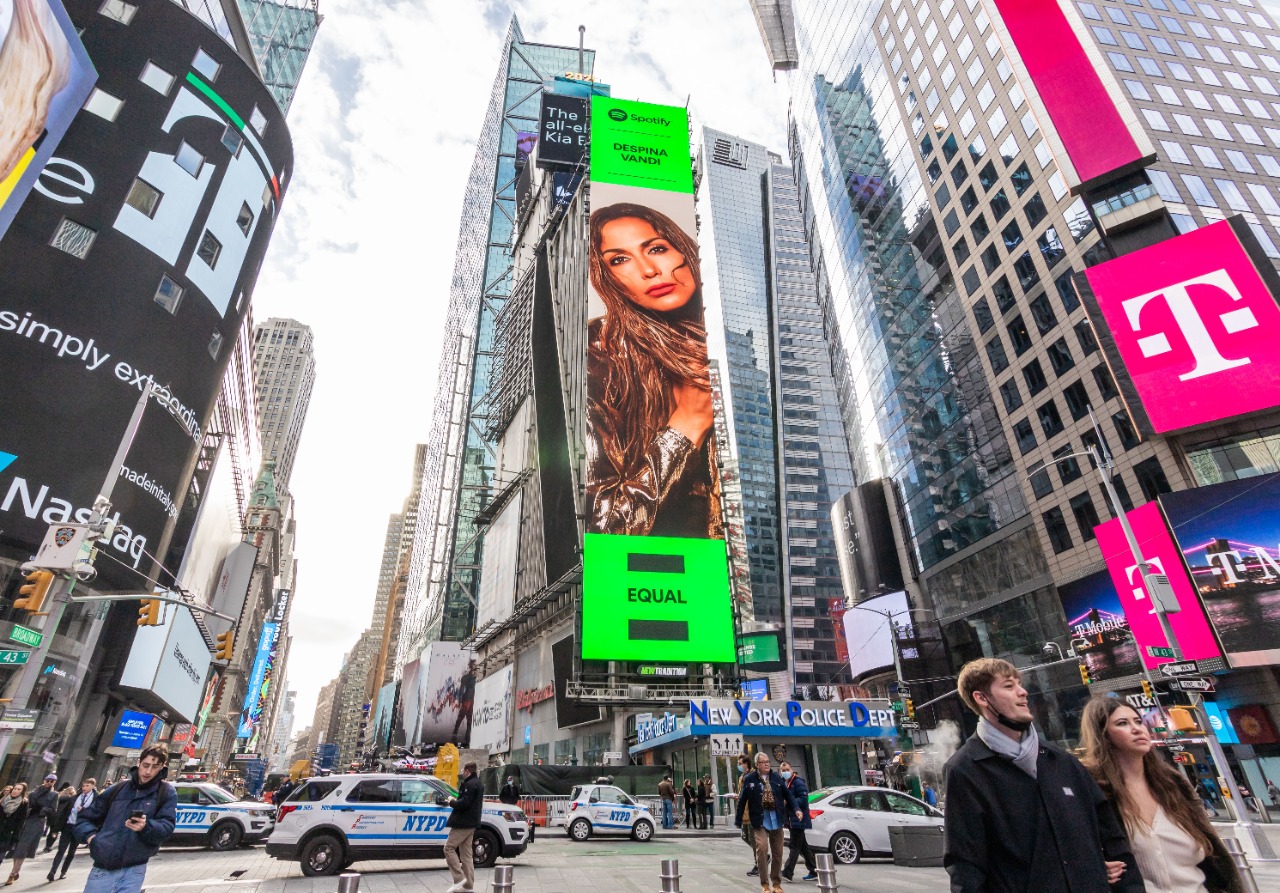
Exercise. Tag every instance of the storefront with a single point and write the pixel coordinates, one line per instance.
(828, 742)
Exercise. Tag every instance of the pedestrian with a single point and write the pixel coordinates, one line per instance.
(459, 851)
(748, 833)
(124, 826)
(930, 796)
(768, 804)
(1206, 798)
(42, 803)
(67, 843)
(1023, 814)
(1175, 846)
(510, 793)
(799, 845)
(703, 796)
(13, 816)
(690, 810)
(57, 821)
(667, 791)
(286, 788)
(1273, 792)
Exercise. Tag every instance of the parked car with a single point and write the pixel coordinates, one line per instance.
(605, 809)
(852, 822)
(208, 815)
(329, 823)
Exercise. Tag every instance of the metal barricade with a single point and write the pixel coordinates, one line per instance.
(349, 882)
(826, 872)
(669, 876)
(1242, 864)
(504, 878)
(545, 810)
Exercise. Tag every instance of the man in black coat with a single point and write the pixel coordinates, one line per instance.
(468, 806)
(1023, 814)
(767, 820)
(510, 793)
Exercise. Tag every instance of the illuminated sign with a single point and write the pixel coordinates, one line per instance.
(259, 681)
(563, 132)
(527, 697)
(852, 718)
(640, 144)
(132, 730)
(1194, 323)
(655, 728)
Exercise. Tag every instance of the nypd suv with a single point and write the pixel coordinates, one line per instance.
(209, 815)
(605, 809)
(329, 823)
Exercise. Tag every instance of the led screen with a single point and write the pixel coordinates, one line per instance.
(1099, 628)
(762, 652)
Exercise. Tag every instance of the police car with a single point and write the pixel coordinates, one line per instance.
(605, 809)
(329, 823)
(209, 815)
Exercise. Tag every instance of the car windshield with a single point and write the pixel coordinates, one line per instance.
(217, 794)
(819, 794)
(443, 786)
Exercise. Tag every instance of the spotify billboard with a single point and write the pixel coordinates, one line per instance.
(655, 576)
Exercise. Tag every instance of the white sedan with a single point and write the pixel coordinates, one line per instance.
(852, 822)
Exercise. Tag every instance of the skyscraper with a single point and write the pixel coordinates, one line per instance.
(285, 367)
(281, 33)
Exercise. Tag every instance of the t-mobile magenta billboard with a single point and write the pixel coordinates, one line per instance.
(1159, 549)
(1193, 321)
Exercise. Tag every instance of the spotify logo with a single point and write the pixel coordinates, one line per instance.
(617, 115)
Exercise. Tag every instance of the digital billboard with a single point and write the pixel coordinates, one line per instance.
(131, 731)
(259, 681)
(167, 665)
(869, 632)
(1229, 536)
(569, 713)
(1192, 322)
(562, 131)
(1159, 549)
(45, 77)
(762, 652)
(132, 262)
(1098, 627)
(655, 574)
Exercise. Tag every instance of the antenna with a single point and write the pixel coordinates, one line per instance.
(582, 31)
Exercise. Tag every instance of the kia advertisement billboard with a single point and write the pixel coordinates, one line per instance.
(1229, 536)
(1190, 624)
(1192, 322)
(132, 263)
(562, 131)
(655, 573)
(45, 77)
(1099, 628)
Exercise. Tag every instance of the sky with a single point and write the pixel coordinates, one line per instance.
(384, 126)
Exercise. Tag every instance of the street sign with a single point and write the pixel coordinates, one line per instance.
(14, 657)
(1195, 683)
(24, 636)
(726, 745)
(1186, 668)
(1160, 651)
(909, 725)
(19, 720)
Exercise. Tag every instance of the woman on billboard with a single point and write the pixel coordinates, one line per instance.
(651, 466)
(35, 63)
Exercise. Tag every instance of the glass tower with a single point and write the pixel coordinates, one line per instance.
(281, 33)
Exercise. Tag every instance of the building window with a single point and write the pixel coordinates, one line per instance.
(169, 294)
(995, 353)
(999, 204)
(189, 159)
(982, 315)
(1084, 334)
(1021, 179)
(215, 345)
(1151, 479)
(1012, 235)
(103, 104)
(144, 197)
(1050, 419)
(232, 140)
(990, 258)
(969, 200)
(209, 250)
(257, 121)
(1042, 313)
(1060, 356)
(1019, 335)
(244, 219)
(1041, 483)
(1122, 493)
(206, 65)
(951, 222)
(156, 78)
(1025, 267)
(1011, 395)
(1056, 526)
(1086, 516)
(1033, 375)
(1003, 293)
(1106, 384)
(972, 281)
(1025, 436)
(74, 238)
(1035, 210)
(119, 10)
(1067, 291)
(1124, 427)
(1051, 247)
(1068, 467)
(1077, 400)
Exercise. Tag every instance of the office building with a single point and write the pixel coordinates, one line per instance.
(281, 33)
(284, 365)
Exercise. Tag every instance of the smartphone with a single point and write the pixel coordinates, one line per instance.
(138, 814)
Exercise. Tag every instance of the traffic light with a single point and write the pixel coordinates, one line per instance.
(910, 708)
(1146, 689)
(34, 591)
(226, 645)
(149, 612)
(1084, 674)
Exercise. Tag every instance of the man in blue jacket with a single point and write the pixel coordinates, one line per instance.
(799, 845)
(769, 806)
(125, 826)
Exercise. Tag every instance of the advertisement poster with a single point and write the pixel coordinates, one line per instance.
(443, 696)
(132, 731)
(406, 734)
(654, 564)
(383, 714)
(869, 630)
(1099, 629)
(45, 78)
(206, 703)
(1229, 535)
(492, 713)
(259, 681)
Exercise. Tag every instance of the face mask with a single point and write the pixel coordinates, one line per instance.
(786, 774)
(742, 768)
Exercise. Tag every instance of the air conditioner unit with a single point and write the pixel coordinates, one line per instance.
(637, 692)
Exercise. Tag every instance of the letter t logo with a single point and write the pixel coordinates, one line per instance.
(1178, 299)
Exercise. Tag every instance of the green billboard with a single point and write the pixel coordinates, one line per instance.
(640, 144)
(656, 598)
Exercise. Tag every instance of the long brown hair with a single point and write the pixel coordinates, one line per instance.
(640, 353)
(1170, 788)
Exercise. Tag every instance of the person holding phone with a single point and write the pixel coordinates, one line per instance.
(125, 826)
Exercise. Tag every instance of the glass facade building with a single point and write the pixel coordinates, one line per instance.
(281, 33)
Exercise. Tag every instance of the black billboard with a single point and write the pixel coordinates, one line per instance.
(569, 712)
(132, 264)
(563, 131)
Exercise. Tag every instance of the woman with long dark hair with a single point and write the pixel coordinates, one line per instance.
(650, 448)
(1176, 848)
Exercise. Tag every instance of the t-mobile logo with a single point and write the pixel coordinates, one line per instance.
(1191, 324)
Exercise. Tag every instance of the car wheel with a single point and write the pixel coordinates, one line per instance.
(846, 848)
(322, 856)
(484, 848)
(225, 836)
(643, 831)
(580, 830)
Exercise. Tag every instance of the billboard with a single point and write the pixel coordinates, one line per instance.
(1192, 321)
(168, 663)
(255, 696)
(654, 563)
(499, 562)
(1099, 628)
(762, 652)
(45, 77)
(562, 131)
(1229, 537)
(869, 633)
(446, 689)
(383, 714)
(131, 731)
(406, 730)
(206, 702)
(1159, 549)
(569, 713)
(492, 713)
(133, 262)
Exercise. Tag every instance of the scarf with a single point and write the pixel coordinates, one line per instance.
(1021, 753)
(10, 805)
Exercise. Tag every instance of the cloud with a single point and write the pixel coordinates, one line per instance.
(384, 126)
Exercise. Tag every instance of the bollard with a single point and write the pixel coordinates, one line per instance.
(826, 872)
(670, 876)
(1242, 864)
(504, 878)
(349, 882)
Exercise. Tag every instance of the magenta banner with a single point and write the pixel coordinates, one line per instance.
(1195, 325)
(1158, 547)
(1090, 128)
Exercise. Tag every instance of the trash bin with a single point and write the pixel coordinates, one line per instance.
(917, 846)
